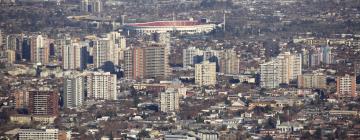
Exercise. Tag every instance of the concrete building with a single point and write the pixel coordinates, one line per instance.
(21, 99)
(134, 63)
(109, 49)
(183, 26)
(192, 56)
(39, 46)
(169, 100)
(11, 56)
(101, 52)
(205, 73)
(283, 69)
(38, 134)
(74, 57)
(74, 90)
(14, 42)
(208, 135)
(151, 61)
(91, 6)
(229, 62)
(312, 80)
(102, 86)
(346, 86)
(43, 103)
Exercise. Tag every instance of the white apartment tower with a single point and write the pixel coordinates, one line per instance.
(169, 100)
(191, 55)
(101, 52)
(283, 69)
(102, 85)
(74, 57)
(74, 91)
(205, 73)
(109, 49)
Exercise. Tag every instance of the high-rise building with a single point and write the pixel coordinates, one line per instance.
(91, 6)
(38, 134)
(205, 73)
(169, 100)
(156, 61)
(269, 74)
(312, 80)
(305, 57)
(60, 42)
(102, 85)
(74, 90)
(43, 103)
(346, 86)
(283, 69)
(14, 42)
(109, 49)
(134, 63)
(117, 46)
(192, 56)
(39, 49)
(26, 49)
(21, 99)
(11, 56)
(101, 52)
(229, 62)
(147, 62)
(327, 55)
(74, 57)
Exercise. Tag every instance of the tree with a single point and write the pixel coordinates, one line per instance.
(143, 134)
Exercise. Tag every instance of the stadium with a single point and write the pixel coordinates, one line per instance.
(180, 26)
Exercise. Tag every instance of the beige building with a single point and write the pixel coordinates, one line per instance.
(312, 80)
(346, 86)
(205, 73)
(20, 119)
(229, 62)
(169, 100)
(11, 56)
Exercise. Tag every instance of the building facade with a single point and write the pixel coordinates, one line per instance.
(74, 91)
(91, 6)
(43, 103)
(191, 56)
(169, 101)
(285, 68)
(346, 86)
(39, 47)
(21, 99)
(38, 134)
(205, 73)
(101, 86)
(229, 62)
(312, 80)
(151, 61)
(74, 57)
